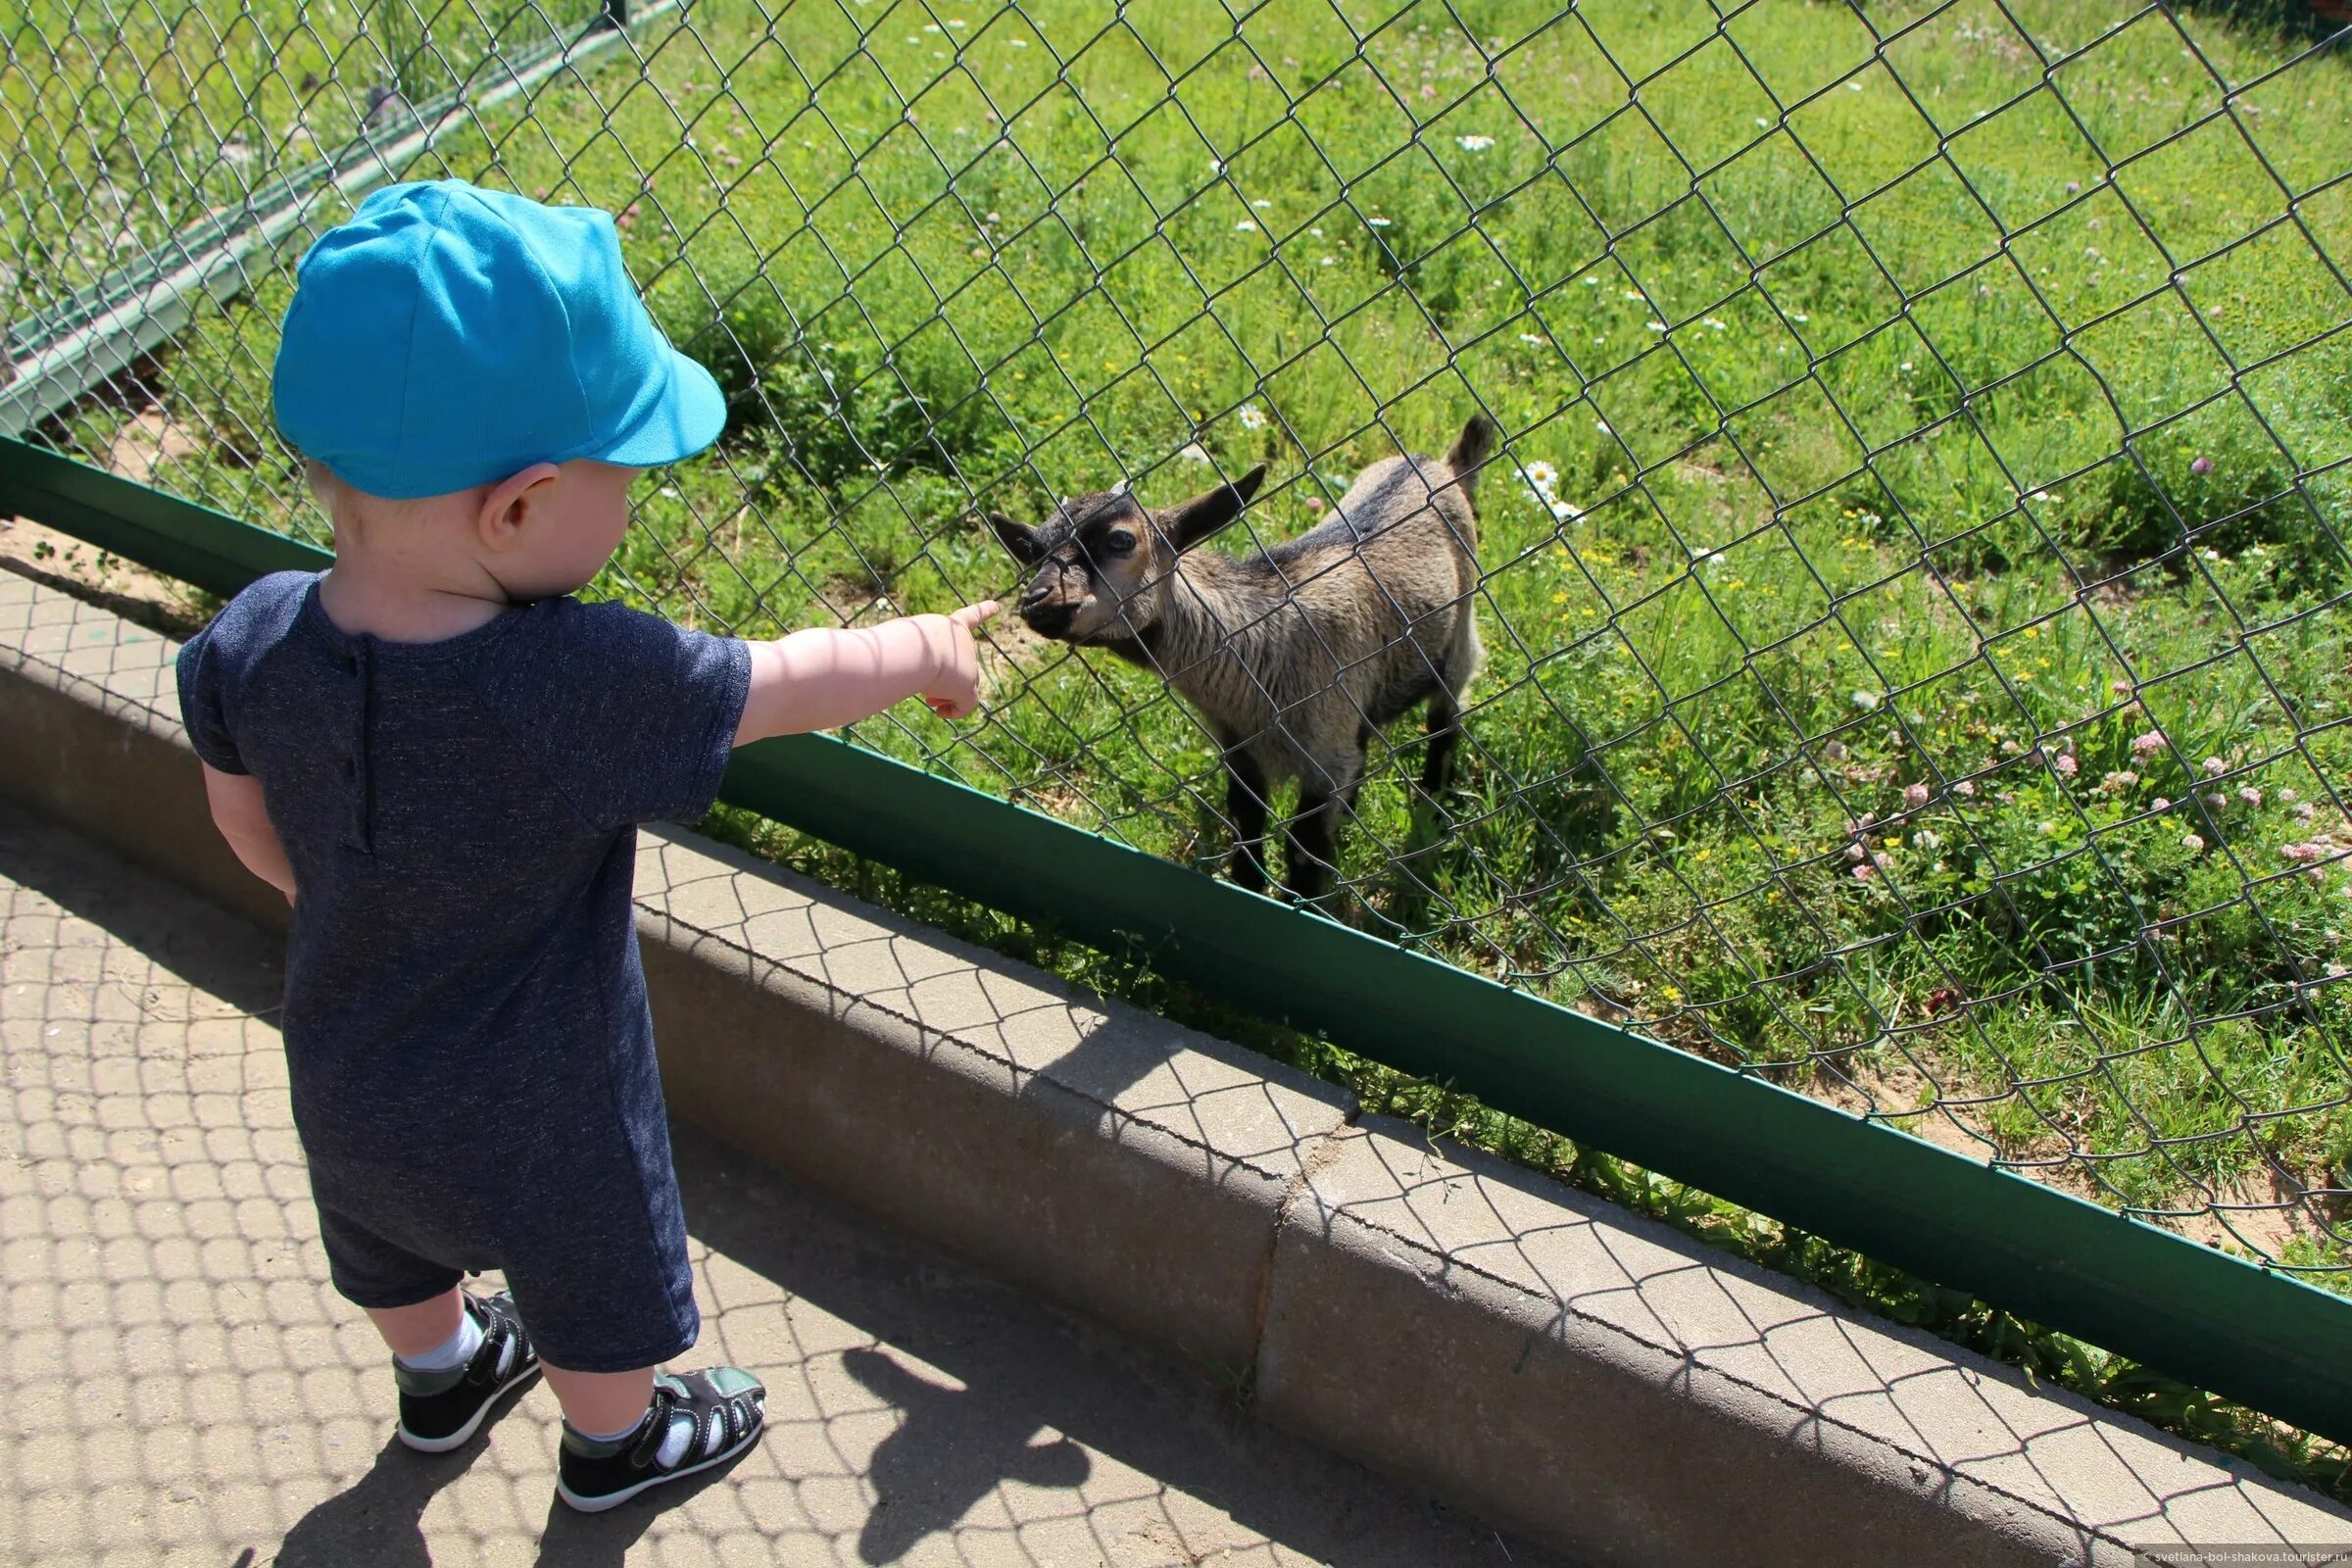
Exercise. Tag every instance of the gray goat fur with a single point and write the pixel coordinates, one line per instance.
(1295, 656)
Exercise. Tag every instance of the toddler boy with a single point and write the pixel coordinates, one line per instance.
(441, 759)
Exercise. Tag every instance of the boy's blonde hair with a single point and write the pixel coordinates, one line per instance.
(349, 506)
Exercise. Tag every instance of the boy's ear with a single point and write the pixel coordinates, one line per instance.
(1018, 537)
(1188, 522)
(507, 505)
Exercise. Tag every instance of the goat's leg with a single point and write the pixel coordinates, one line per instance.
(1444, 732)
(1246, 810)
(1454, 673)
(1314, 834)
(1314, 857)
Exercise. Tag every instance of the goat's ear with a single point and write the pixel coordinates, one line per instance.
(1188, 522)
(1018, 537)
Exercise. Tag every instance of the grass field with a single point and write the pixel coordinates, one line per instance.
(1917, 664)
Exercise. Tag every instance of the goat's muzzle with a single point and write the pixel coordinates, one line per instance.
(1045, 616)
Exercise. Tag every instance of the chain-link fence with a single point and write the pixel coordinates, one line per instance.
(1910, 574)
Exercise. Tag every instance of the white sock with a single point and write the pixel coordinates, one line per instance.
(673, 1442)
(609, 1437)
(452, 1352)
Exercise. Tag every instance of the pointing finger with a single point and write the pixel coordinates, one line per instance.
(971, 616)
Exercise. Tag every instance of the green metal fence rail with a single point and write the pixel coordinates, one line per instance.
(1913, 578)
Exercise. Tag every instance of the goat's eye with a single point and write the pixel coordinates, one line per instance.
(1118, 543)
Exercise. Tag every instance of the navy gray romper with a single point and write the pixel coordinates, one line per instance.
(467, 1043)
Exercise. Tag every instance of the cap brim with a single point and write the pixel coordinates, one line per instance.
(689, 415)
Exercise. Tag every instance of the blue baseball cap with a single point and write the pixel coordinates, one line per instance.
(449, 336)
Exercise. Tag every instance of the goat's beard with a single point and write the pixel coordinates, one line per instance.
(1118, 626)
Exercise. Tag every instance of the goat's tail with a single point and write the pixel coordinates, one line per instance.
(1469, 452)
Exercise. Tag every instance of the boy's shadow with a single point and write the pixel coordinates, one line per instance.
(379, 1522)
(572, 1538)
(952, 1450)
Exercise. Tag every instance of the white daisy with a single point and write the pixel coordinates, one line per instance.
(1475, 144)
(1253, 418)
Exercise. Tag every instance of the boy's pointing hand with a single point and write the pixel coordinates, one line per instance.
(954, 692)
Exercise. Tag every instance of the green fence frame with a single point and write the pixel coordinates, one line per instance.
(2254, 1335)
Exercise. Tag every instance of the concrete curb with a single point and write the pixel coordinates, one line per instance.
(1551, 1363)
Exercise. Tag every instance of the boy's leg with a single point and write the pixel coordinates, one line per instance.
(448, 1386)
(453, 1356)
(593, 1242)
(415, 1331)
(600, 1403)
(627, 1430)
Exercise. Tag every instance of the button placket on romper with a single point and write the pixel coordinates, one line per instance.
(359, 777)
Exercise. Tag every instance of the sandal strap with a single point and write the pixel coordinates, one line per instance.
(648, 1447)
(736, 1411)
(496, 1331)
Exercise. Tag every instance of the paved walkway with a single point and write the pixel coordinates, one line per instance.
(178, 1385)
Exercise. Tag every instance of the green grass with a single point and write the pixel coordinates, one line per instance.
(1881, 467)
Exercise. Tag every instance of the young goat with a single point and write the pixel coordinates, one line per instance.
(1295, 655)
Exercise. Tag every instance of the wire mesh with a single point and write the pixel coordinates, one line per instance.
(1911, 579)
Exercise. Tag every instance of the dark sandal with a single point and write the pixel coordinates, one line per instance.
(440, 1410)
(728, 1409)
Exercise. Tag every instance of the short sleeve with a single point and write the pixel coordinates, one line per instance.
(632, 717)
(204, 704)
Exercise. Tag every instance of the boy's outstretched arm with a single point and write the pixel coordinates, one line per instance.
(238, 812)
(824, 677)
